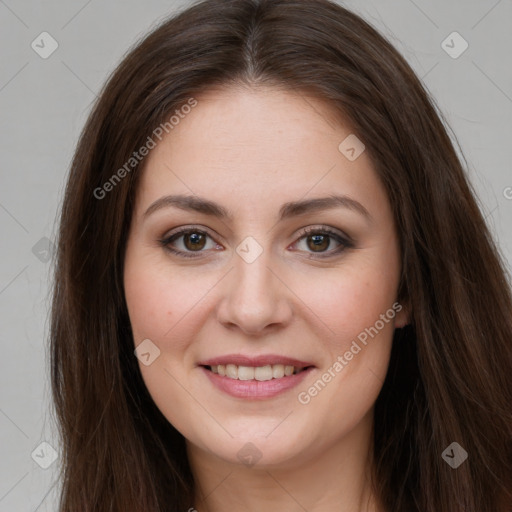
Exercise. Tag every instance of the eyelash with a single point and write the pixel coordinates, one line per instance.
(345, 242)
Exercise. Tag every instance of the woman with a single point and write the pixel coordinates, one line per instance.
(274, 285)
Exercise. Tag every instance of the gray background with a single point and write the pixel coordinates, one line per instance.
(44, 104)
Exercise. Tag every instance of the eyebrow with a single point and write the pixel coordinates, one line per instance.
(287, 210)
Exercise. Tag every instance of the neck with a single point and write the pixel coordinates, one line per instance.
(332, 475)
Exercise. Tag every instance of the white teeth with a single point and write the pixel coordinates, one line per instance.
(260, 373)
(232, 371)
(263, 372)
(278, 371)
(245, 373)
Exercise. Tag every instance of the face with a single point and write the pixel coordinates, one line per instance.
(257, 268)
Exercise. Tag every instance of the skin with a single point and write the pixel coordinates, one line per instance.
(251, 150)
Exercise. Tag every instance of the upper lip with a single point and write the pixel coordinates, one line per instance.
(261, 360)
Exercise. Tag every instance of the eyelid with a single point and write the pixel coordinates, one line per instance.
(186, 229)
(327, 230)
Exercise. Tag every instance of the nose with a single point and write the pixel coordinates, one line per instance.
(255, 297)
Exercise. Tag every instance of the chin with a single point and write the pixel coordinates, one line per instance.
(254, 449)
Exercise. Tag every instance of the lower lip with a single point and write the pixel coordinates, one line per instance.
(255, 389)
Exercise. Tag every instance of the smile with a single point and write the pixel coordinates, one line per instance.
(255, 383)
(259, 373)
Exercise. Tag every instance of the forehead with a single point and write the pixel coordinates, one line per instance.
(259, 143)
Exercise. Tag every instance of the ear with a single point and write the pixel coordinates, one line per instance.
(402, 317)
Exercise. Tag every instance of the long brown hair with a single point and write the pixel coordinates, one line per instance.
(448, 379)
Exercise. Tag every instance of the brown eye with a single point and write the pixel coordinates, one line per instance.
(194, 241)
(189, 243)
(318, 243)
(323, 242)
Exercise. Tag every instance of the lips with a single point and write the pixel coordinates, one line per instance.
(258, 376)
(261, 387)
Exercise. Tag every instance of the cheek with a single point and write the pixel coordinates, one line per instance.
(157, 295)
(166, 304)
(156, 302)
(350, 300)
(357, 355)
(150, 304)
